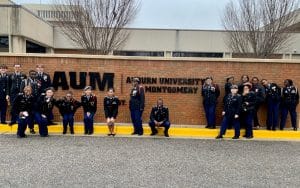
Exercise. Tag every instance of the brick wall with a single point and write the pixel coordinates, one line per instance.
(184, 108)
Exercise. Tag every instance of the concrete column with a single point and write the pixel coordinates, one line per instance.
(18, 44)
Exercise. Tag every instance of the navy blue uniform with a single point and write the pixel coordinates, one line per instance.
(210, 94)
(23, 106)
(290, 100)
(111, 106)
(232, 107)
(4, 91)
(259, 91)
(247, 112)
(89, 104)
(15, 81)
(67, 109)
(159, 114)
(44, 82)
(136, 106)
(273, 96)
(44, 106)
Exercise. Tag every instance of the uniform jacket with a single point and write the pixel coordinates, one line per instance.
(23, 103)
(290, 96)
(249, 98)
(260, 94)
(111, 105)
(44, 82)
(210, 93)
(4, 85)
(45, 105)
(232, 105)
(273, 92)
(67, 106)
(159, 114)
(137, 98)
(15, 83)
(89, 104)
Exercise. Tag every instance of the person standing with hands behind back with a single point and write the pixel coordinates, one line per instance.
(111, 105)
(89, 104)
(136, 106)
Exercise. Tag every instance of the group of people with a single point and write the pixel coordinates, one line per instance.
(242, 102)
(32, 101)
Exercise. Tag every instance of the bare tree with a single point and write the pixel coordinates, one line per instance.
(259, 27)
(96, 25)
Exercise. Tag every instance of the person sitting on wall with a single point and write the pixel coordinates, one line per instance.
(159, 117)
(111, 105)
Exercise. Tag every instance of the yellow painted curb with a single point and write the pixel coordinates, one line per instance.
(174, 132)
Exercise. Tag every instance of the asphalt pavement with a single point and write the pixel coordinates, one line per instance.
(85, 161)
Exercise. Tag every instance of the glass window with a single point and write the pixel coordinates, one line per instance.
(34, 48)
(4, 44)
(197, 54)
(139, 53)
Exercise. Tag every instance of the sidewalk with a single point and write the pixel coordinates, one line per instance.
(175, 131)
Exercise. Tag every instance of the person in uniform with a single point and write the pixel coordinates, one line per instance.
(44, 82)
(273, 96)
(228, 84)
(136, 106)
(159, 117)
(231, 113)
(210, 94)
(67, 107)
(244, 80)
(4, 92)
(15, 80)
(248, 109)
(111, 105)
(44, 107)
(89, 104)
(32, 82)
(259, 91)
(290, 100)
(23, 105)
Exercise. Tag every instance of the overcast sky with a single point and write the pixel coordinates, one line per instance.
(175, 14)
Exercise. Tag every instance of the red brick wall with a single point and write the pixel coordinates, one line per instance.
(184, 108)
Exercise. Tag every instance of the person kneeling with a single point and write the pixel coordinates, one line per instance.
(159, 117)
(111, 104)
(232, 106)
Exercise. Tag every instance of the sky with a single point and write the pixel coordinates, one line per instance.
(173, 14)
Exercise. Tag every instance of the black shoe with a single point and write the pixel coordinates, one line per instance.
(11, 123)
(153, 133)
(244, 136)
(235, 137)
(22, 136)
(133, 133)
(269, 128)
(109, 134)
(64, 132)
(113, 135)
(51, 123)
(90, 133)
(140, 134)
(207, 126)
(3, 122)
(274, 129)
(167, 135)
(72, 133)
(213, 127)
(219, 136)
(32, 131)
(295, 128)
(249, 137)
(281, 129)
